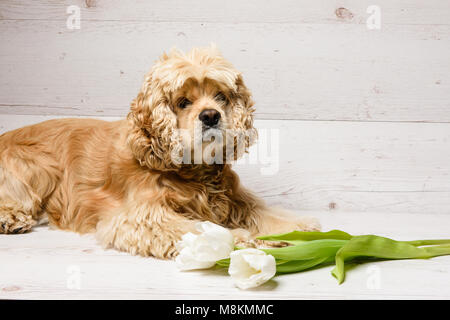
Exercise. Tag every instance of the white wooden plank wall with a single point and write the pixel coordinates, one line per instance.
(364, 115)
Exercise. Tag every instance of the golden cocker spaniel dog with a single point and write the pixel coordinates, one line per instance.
(128, 181)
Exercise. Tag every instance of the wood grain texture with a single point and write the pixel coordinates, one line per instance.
(363, 119)
(342, 166)
(306, 71)
(38, 265)
(232, 11)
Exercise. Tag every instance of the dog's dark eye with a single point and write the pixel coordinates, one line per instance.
(183, 103)
(221, 97)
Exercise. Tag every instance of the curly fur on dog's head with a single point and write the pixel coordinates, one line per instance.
(176, 90)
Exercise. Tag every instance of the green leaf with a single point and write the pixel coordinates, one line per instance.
(226, 262)
(223, 262)
(385, 248)
(435, 251)
(297, 237)
(280, 262)
(308, 250)
(301, 265)
(428, 242)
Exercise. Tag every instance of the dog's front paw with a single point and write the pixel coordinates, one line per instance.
(242, 238)
(263, 244)
(241, 235)
(308, 224)
(14, 219)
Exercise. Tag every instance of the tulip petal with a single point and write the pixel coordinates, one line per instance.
(250, 268)
(200, 251)
(187, 261)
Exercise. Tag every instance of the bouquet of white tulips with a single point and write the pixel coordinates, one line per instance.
(250, 267)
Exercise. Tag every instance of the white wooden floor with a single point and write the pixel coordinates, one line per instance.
(44, 264)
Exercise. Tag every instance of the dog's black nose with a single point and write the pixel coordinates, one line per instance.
(209, 117)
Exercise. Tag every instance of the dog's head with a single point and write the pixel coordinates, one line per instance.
(187, 97)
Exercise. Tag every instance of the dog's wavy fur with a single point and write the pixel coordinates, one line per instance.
(117, 179)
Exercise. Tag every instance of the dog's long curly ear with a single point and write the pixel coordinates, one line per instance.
(152, 135)
(243, 116)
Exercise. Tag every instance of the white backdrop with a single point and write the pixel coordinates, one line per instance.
(363, 114)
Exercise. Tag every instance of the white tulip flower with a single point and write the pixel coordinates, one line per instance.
(250, 268)
(201, 251)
